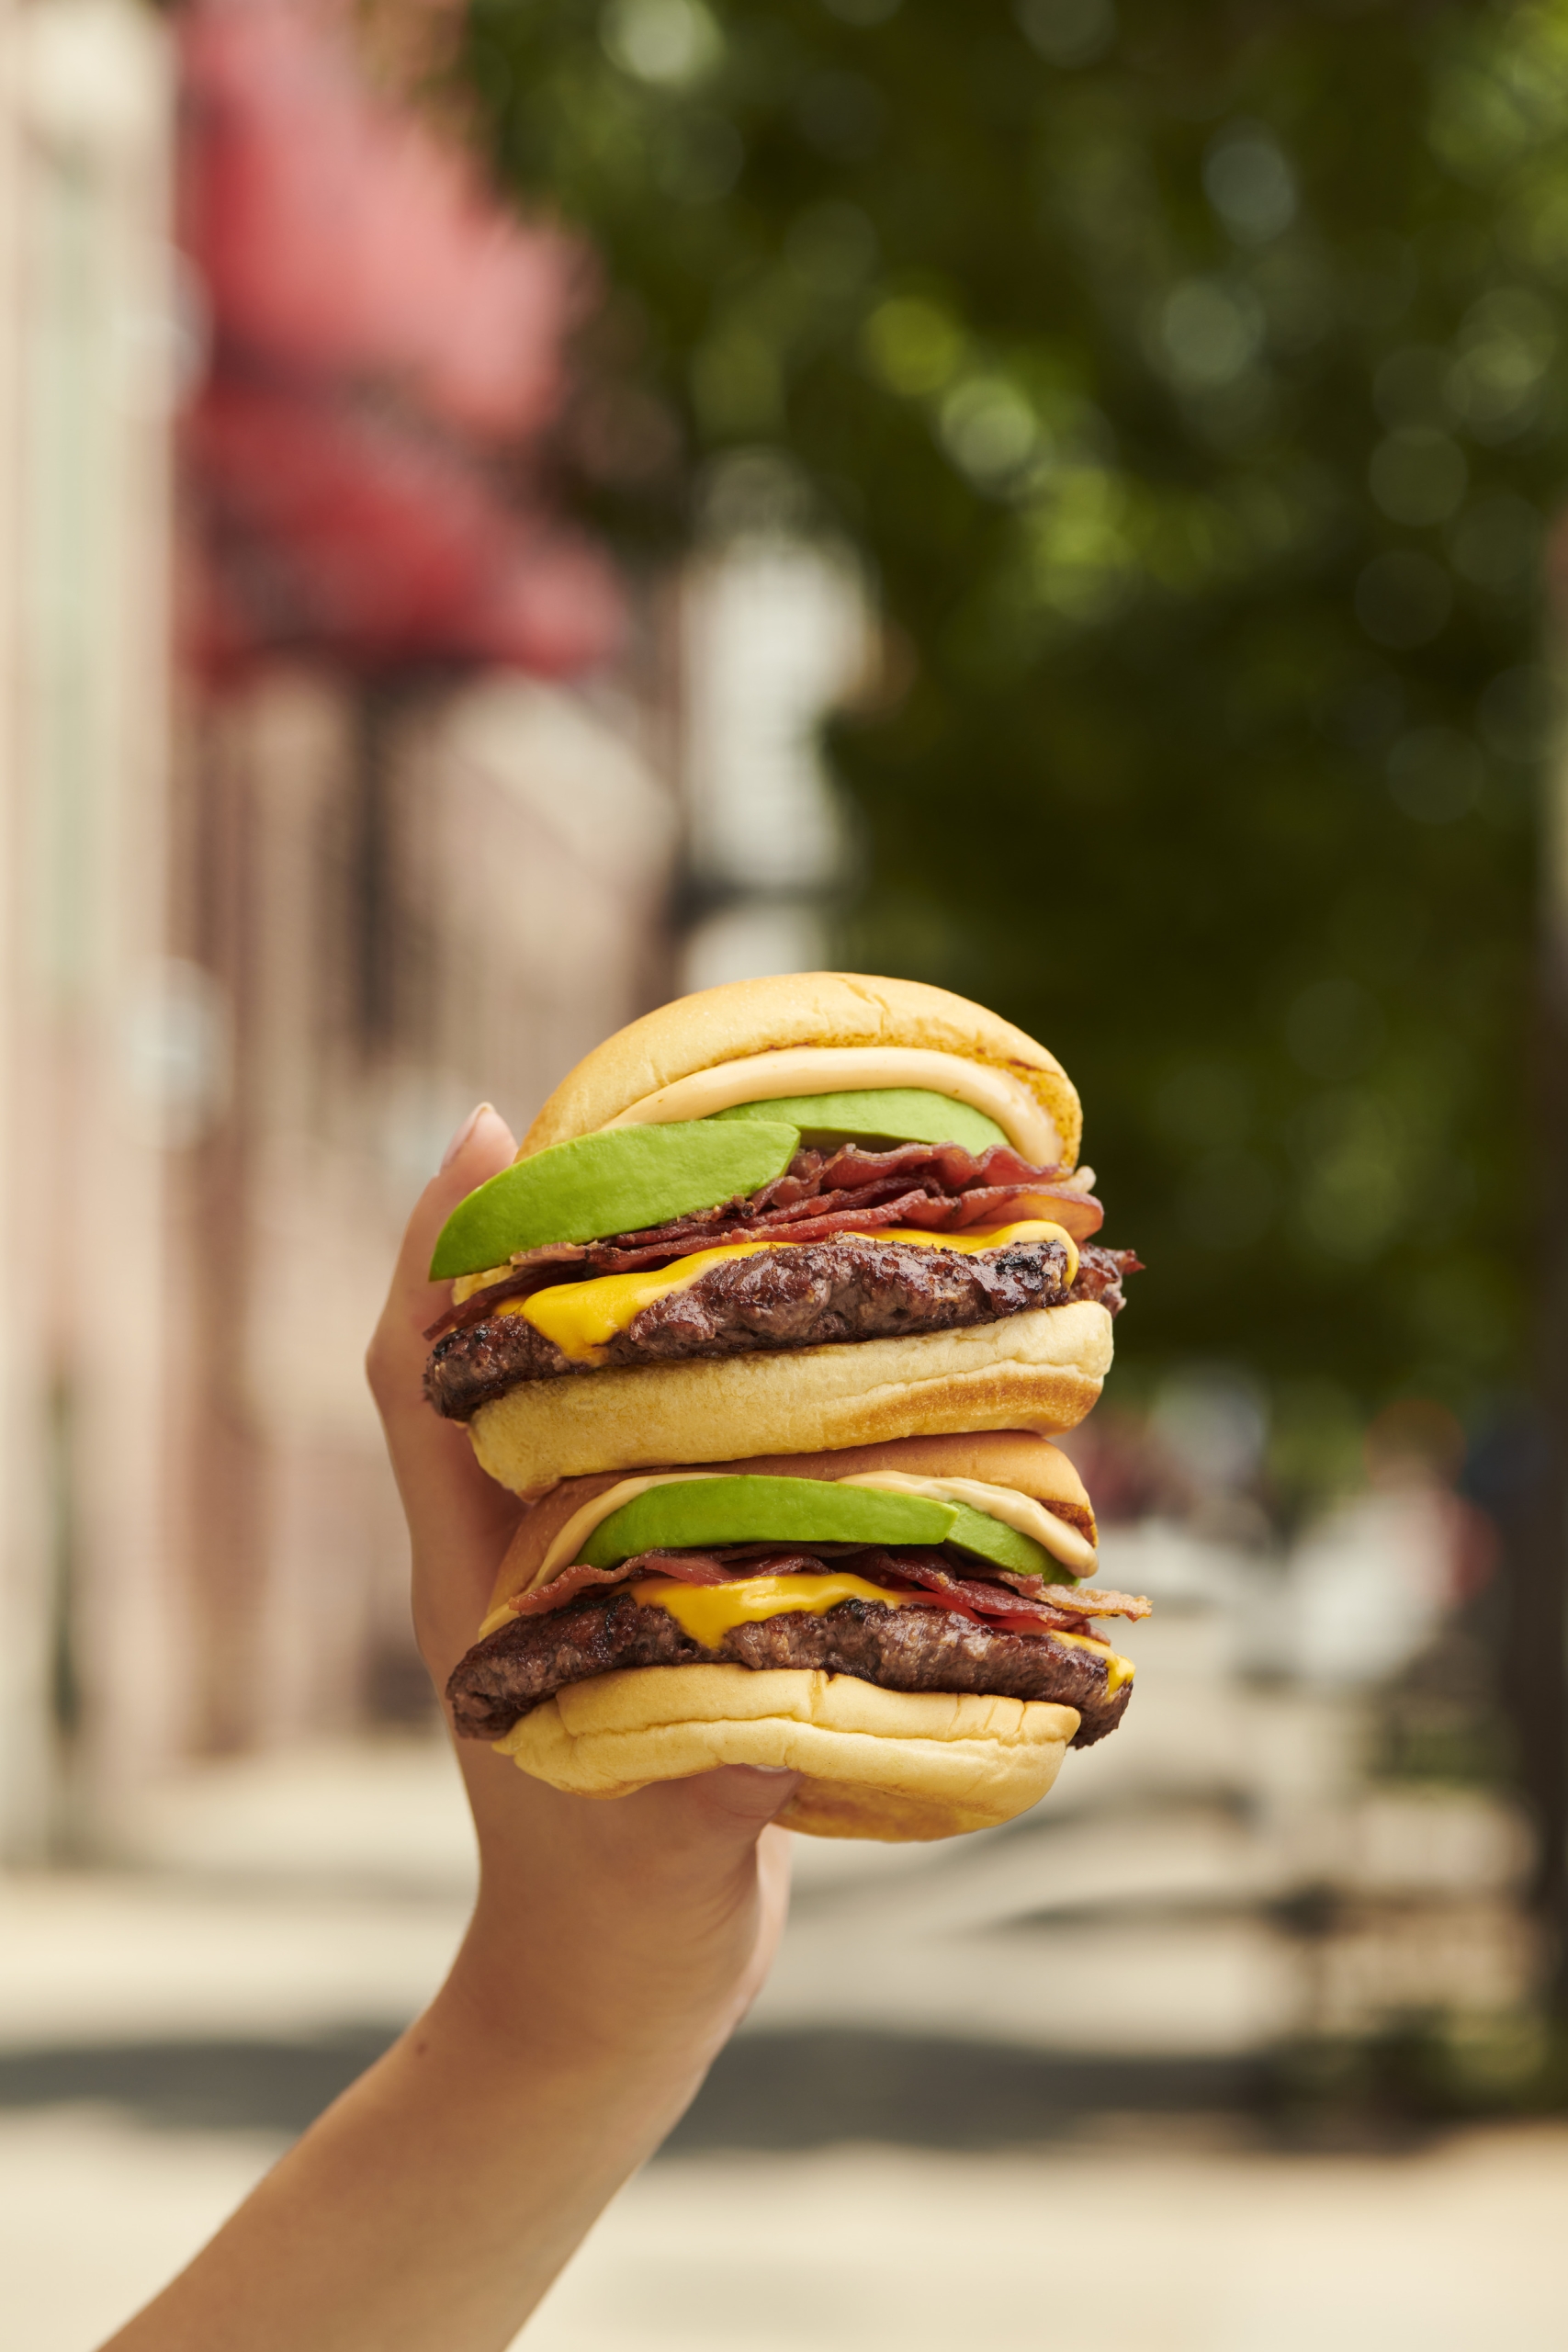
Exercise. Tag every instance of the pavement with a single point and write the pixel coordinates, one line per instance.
(1126, 2249)
(1014, 2078)
(1131, 2247)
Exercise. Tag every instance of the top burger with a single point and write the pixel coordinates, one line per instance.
(815, 1211)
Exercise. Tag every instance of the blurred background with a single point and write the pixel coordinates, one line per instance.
(508, 514)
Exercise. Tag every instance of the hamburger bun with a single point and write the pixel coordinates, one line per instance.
(1030, 1466)
(891, 1765)
(810, 1008)
(1039, 1371)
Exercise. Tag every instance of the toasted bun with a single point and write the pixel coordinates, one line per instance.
(1040, 1371)
(797, 1009)
(1000, 1457)
(894, 1765)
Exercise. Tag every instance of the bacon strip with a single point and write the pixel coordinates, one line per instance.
(1092, 1602)
(1019, 1595)
(913, 1573)
(936, 1188)
(687, 1567)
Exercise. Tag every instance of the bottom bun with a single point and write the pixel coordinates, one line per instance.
(1040, 1371)
(896, 1765)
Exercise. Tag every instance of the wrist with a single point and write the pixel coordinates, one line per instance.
(524, 2011)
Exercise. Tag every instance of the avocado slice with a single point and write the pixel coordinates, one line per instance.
(615, 1181)
(698, 1511)
(1004, 1546)
(879, 1114)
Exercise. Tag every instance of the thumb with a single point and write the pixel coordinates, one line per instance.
(722, 1809)
(444, 1492)
(741, 1799)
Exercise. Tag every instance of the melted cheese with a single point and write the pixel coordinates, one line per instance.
(1117, 1669)
(841, 1069)
(1063, 1542)
(706, 1612)
(581, 1318)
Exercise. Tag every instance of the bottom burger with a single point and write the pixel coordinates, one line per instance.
(909, 1625)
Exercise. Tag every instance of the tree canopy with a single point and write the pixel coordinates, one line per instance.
(1191, 382)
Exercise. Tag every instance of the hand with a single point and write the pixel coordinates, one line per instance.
(613, 1947)
(646, 1922)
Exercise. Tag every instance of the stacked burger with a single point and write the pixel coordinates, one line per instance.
(769, 1324)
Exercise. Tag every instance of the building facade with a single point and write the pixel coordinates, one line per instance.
(277, 905)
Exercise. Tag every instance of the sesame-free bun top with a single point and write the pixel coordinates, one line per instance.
(802, 1010)
(1030, 1466)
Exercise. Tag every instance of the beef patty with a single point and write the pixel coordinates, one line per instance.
(519, 1666)
(813, 1294)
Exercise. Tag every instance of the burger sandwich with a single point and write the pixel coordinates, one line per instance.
(910, 1624)
(809, 1213)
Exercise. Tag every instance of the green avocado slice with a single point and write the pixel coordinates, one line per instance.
(1004, 1546)
(695, 1511)
(879, 1114)
(615, 1181)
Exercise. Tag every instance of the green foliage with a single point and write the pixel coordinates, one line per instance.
(1192, 381)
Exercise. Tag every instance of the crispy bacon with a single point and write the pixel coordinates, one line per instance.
(1090, 1600)
(688, 1567)
(1018, 1595)
(935, 1187)
(915, 1574)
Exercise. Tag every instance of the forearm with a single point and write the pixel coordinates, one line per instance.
(436, 2201)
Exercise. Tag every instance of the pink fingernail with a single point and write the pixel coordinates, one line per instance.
(464, 1132)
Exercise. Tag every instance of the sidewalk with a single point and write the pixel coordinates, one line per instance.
(1179, 2249)
(1000, 2082)
(1137, 2248)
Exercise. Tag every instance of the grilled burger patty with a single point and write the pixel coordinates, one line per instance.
(518, 1667)
(811, 1294)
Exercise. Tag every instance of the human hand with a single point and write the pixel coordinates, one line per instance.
(613, 1947)
(640, 1926)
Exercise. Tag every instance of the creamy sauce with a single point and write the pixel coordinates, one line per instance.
(846, 1070)
(1063, 1541)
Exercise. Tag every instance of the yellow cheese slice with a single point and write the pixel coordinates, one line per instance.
(1117, 1669)
(581, 1318)
(707, 1611)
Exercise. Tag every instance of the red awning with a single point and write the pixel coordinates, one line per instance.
(388, 352)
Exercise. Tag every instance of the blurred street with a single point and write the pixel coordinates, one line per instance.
(1131, 2246)
(1054, 2031)
(507, 515)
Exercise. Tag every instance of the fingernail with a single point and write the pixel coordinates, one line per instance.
(464, 1132)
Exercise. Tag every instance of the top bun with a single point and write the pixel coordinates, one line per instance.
(1031, 1465)
(748, 1017)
